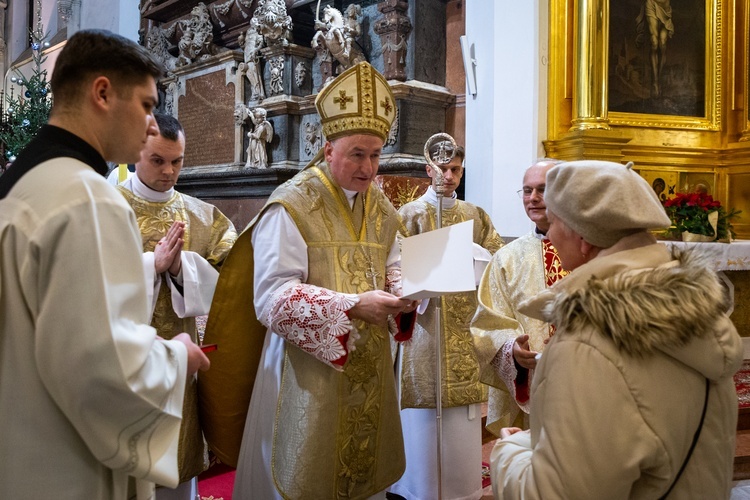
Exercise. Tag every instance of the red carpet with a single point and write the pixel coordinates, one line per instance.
(216, 483)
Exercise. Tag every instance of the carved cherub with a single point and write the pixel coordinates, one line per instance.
(262, 134)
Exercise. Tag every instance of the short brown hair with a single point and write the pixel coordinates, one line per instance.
(100, 52)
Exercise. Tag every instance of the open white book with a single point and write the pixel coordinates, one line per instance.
(438, 262)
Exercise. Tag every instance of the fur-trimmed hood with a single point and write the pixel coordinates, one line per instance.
(646, 300)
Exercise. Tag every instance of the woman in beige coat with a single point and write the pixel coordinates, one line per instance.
(641, 364)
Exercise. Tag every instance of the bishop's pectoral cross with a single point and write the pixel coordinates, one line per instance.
(372, 274)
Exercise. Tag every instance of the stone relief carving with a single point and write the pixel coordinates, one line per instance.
(251, 42)
(300, 74)
(197, 38)
(313, 138)
(273, 22)
(221, 10)
(262, 134)
(393, 132)
(337, 35)
(171, 96)
(157, 44)
(277, 75)
(241, 114)
(393, 28)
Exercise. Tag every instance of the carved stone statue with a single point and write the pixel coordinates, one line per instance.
(273, 22)
(338, 36)
(277, 75)
(313, 138)
(157, 44)
(261, 135)
(251, 42)
(197, 36)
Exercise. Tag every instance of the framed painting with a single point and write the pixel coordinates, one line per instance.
(664, 63)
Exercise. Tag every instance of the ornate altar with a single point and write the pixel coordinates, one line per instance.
(228, 58)
(664, 86)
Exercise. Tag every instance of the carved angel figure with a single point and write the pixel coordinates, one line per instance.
(261, 135)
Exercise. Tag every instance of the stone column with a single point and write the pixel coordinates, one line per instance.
(590, 56)
(394, 28)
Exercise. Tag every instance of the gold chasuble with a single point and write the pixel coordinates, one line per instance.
(460, 369)
(211, 235)
(337, 434)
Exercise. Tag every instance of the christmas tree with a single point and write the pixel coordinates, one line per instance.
(28, 110)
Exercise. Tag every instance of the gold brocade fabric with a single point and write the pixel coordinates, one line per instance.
(522, 269)
(460, 369)
(338, 435)
(358, 101)
(211, 235)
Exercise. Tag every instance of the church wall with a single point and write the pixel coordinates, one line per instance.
(506, 120)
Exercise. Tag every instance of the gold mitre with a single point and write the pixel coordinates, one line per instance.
(358, 101)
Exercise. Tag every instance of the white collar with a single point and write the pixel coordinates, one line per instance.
(350, 196)
(430, 196)
(143, 191)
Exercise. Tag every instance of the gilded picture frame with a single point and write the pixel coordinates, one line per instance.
(746, 88)
(680, 44)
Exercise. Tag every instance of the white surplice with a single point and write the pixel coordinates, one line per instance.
(88, 394)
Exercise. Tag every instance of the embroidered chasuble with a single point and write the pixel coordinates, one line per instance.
(520, 270)
(210, 235)
(460, 369)
(336, 429)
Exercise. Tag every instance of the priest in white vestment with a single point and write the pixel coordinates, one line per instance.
(506, 340)
(184, 242)
(90, 397)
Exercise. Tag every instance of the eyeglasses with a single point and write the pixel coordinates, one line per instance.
(527, 192)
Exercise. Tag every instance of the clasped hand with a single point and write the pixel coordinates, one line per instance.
(168, 251)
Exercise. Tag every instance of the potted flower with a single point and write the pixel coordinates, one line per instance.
(698, 217)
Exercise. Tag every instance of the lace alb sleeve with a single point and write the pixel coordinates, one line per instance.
(314, 319)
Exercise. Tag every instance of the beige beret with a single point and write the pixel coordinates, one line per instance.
(603, 201)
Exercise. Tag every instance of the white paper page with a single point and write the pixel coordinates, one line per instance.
(438, 262)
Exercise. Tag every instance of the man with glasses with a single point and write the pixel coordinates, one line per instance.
(506, 341)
